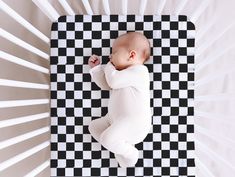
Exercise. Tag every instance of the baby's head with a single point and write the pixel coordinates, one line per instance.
(130, 49)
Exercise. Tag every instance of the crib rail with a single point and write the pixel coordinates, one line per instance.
(24, 120)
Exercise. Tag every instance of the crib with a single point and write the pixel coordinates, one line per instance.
(25, 90)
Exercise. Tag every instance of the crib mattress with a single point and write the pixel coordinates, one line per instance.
(168, 150)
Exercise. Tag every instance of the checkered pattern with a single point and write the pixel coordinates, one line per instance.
(168, 150)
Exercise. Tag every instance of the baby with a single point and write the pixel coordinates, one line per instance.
(129, 117)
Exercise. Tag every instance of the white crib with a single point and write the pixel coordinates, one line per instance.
(24, 78)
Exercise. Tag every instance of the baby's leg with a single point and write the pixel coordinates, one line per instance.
(116, 139)
(97, 126)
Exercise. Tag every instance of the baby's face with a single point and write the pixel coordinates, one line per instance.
(119, 57)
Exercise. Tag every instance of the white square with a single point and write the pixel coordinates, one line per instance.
(165, 25)
(86, 103)
(70, 51)
(113, 26)
(87, 52)
(105, 34)
(61, 77)
(86, 86)
(78, 163)
(96, 26)
(69, 172)
(78, 26)
(62, 43)
(69, 86)
(70, 34)
(61, 146)
(174, 34)
(78, 146)
(165, 111)
(70, 121)
(69, 68)
(96, 43)
(165, 145)
(174, 68)
(87, 35)
(78, 94)
(61, 94)
(182, 42)
(70, 155)
(174, 102)
(61, 129)
(165, 162)
(61, 163)
(183, 76)
(69, 103)
(174, 51)
(166, 76)
(130, 26)
(165, 42)
(62, 26)
(148, 26)
(70, 138)
(62, 60)
(96, 112)
(78, 43)
(77, 78)
(78, 112)
(54, 51)
(87, 154)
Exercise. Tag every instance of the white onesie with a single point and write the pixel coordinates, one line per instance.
(129, 117)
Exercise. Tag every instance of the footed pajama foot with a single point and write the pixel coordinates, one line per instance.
(128, 161)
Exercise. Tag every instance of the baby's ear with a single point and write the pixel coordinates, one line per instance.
(132, 54)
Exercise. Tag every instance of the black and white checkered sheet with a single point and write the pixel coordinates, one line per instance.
(168, 150)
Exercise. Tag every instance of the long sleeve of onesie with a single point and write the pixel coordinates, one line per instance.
(135, 76)
(98, 76)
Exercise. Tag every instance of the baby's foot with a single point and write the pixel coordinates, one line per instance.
(128, 161)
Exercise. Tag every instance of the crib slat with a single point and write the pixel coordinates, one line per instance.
(20, 120)
(23, 22)
(23, 62)
(13, 83)
(211, 59)
(204, 29)
(160, 7)
(15, 103)
(39, 169)
(20, 138)
(6, 164)
(87, 7)
(106, 7)
(209, 78)
(67, 7)
(179, 7)
(203, 5)
(202, 48)
(142, 7)
(23, 44)
(47, 9)
(124, 7)
(215, 97)
(201, 165)
(213, 154)
(215, 136)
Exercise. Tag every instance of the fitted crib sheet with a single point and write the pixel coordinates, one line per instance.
(168, 150)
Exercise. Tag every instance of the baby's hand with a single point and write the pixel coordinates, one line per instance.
(93, 61)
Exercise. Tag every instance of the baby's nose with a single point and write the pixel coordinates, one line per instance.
(110, 56)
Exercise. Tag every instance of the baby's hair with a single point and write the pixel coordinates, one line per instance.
(133, 38)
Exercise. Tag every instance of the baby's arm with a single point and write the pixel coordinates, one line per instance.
(97, 73)
(132, 76)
